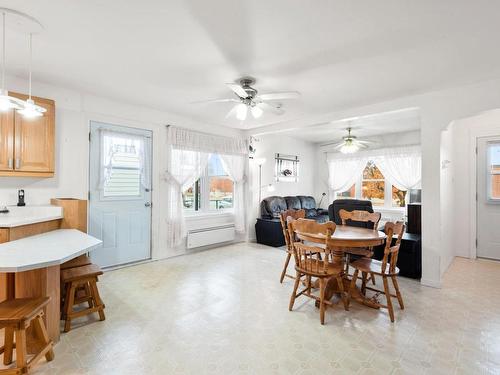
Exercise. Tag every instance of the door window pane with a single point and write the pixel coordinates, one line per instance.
(124, 175)
(398, 197)
(221, 186)
(494, 170)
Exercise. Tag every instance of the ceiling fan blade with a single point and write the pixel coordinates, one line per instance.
(280, 95)
(270, 108)
(232, 112)
(215, 101)
(335, 144)
(238, 90)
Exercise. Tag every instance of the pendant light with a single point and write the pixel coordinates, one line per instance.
(31, 110)
(7, 102)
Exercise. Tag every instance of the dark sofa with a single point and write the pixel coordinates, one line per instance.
(268, 226)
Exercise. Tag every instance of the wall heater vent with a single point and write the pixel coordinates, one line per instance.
(210, 236)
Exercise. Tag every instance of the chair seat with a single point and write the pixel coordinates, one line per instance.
(332, 270)
(76, 273)
(21, 309)
(372, 266)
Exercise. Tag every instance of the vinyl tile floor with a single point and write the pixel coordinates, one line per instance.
(223, 311)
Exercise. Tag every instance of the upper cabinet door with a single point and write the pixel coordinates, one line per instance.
(6, 141)
(34, 140)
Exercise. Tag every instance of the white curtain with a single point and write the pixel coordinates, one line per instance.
(189, 153)
(235, 168)
(112, 142)
(186, 167)
(344, 172)
(402, 166)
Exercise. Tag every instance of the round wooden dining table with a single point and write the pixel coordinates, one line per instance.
(344, 238)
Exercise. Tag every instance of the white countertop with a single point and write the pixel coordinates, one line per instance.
(29, 215)
(45, 250)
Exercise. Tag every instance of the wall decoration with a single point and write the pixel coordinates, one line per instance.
(286, 168)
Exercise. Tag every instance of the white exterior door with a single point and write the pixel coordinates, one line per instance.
(120, 194)
(488, 197)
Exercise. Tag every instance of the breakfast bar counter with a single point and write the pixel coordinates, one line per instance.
(32, 265)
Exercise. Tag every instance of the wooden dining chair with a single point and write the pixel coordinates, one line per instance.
(386, 268)
(314, 259)
(371, 219)
(294, 214)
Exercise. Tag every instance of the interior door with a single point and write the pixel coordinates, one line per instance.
(120, 195)
(488, 197)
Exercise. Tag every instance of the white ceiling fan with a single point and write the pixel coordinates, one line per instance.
(350, 144)
(248, 99)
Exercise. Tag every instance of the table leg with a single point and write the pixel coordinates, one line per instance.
(356, 295)
(11, 285)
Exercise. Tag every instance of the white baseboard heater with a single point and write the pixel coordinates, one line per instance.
(210, 236)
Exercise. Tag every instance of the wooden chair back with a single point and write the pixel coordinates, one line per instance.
(391, 251)
(311, 259)
(360, 216)
(294, 214)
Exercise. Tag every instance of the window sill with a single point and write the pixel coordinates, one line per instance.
(208, 215)
(389, 209)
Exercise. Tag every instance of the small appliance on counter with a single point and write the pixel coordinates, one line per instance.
(20, 198)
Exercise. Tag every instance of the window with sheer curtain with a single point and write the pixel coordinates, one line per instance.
(383, 176)
(206, 173)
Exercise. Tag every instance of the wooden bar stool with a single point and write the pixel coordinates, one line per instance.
(16, 315)
(77, 279)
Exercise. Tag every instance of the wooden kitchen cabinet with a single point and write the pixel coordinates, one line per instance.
(30, 143)
(6, 141)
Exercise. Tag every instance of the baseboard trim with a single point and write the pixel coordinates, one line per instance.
(431, 283)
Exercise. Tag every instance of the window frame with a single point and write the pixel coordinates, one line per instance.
(204, 186)
(358, 192)
(489, 174)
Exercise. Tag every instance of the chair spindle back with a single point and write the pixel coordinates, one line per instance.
(360, 216)
(294, 214)
(310, 258)
(391, 252)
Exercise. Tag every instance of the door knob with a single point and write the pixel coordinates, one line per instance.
(148, 204)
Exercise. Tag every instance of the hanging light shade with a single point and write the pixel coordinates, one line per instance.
(241, 111)
(31, 110)
(7, 102)
(256, 111)
(349, 147)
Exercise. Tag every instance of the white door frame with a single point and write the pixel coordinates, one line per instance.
(474, 134)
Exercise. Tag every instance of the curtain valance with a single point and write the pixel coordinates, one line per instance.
(185, 139)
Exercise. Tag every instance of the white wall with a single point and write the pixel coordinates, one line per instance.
(74, 110)
(267, 146)
(463, 134)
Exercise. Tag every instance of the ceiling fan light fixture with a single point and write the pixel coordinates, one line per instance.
(349, 147)
(241, 111)
(256, 111)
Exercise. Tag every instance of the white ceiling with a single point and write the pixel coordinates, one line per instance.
(366, 127)
(167, 54)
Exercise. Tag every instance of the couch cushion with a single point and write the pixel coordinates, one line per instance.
(307, 201)
(272, 206)
(293, 203)
(311, 213)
